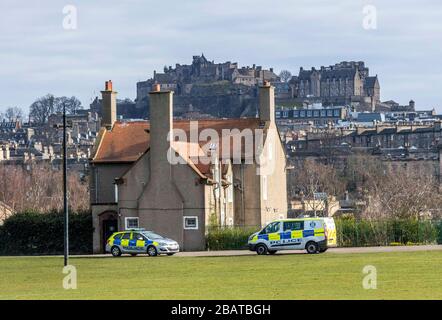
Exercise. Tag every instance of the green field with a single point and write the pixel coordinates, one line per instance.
(401, 275)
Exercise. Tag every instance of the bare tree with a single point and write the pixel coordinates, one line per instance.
(13, 113)
(39, 187)
(42, 108)
(285, 75)
(310, 178)
(393, 189)
(71, 104)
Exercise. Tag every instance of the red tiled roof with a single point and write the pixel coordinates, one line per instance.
(127, 141)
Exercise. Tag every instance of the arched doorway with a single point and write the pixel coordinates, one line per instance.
(108, 225)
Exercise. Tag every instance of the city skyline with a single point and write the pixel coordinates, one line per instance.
(126, 42)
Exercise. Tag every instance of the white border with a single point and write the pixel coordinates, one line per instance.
(190, 228)
(125, 222)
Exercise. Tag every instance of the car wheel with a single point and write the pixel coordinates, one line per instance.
(152, 251)
(272, 251)
(170, 254)
(322, 250)
(311, 247)
(116, 252)
(261, 249)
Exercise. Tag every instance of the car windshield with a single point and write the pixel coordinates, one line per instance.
(152, 235)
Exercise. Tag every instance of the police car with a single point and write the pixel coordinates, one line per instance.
(140, 241)
(312, 234)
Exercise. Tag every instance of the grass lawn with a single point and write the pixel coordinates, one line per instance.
(401, 275)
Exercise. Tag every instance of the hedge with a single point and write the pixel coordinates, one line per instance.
(360, 233)
(34, 233)
(349, 232)
(228, 238)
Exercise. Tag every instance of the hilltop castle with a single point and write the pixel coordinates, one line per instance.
(207, 89)
(224, 81)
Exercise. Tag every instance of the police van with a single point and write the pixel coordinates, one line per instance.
(315, 235)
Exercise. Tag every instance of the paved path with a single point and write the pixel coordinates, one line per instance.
(227, 253)
(331, 250)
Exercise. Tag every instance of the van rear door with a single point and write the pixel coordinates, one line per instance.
(330, 232)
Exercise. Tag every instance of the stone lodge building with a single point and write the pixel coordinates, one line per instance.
(133, 183)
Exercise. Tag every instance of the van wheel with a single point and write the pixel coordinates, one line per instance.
(116, 252)
(261, 249)
(272, 251)
(152, 251)
(311, 247)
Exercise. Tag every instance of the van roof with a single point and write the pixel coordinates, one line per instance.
(302, 219)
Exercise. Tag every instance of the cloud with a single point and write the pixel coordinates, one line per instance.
(126, 40)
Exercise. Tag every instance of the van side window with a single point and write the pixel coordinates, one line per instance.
(293, 225)
(271, 228)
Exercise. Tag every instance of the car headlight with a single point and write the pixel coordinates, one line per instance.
(163, 244)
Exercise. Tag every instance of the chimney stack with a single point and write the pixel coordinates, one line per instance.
(108, 106)
(267, 102)
(161, 125)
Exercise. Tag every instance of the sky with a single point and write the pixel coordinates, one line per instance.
(127, 40)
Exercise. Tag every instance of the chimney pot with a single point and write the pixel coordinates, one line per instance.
(156, 87)
(108, 85)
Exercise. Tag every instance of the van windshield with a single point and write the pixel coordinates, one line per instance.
(152, 235)
(271, 228)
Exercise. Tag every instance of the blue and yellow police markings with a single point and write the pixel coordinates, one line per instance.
(285, 238)
(134, 244)
(288, 237)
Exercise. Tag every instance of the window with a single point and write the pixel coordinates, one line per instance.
(316, 113)
(230, 189)
(293, 225)
(270, 151)
(191, 223)
(285, 114)
(302, 114)
(309, 113)
(152, 236)
(271, 228)
(126, 236)
(118, 236)
(264, 187)
(137, 236)
(131, 223)
(323, 113)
